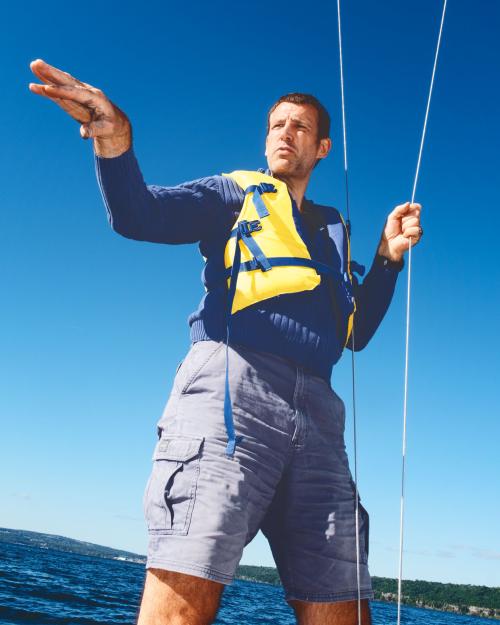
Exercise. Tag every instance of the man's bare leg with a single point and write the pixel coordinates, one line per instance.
(339, 613)
(171, 598)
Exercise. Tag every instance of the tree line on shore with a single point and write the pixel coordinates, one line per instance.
(415, 592)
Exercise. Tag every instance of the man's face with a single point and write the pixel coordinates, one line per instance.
(292, 145)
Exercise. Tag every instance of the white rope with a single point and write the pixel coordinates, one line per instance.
(355, 445)
(343, 112)
(355, 437)
(407, 340)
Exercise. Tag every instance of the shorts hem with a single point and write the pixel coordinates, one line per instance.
(190, 569)
(349, 595)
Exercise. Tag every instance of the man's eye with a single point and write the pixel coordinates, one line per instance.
(278, 124)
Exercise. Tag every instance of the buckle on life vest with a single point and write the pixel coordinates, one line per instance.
(247, 227)
(267, 187)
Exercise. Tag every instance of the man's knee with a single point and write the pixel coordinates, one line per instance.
(171, 598)
(338, 613)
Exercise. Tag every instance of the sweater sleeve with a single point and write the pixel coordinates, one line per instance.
(185, 213)
(373, 297)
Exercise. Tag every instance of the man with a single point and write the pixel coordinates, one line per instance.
(287, 471)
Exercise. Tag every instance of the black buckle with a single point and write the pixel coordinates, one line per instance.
(267, 187)
(247, 227)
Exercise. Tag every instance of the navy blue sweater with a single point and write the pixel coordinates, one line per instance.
(297, 326)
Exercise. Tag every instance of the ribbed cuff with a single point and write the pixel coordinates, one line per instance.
(114, 160)
(387, 263)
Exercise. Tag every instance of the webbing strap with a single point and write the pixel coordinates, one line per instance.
(283, 261)
(232, 439)
(253, 246)
(258, 202)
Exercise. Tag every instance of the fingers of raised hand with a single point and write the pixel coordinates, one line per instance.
(82, 97)
(52, 75)
(80, 112)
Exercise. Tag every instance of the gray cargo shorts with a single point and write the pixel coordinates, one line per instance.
(289, 476)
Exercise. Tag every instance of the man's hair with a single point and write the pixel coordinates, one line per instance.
(306, 98)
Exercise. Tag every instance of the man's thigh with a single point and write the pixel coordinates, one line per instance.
(178, 599)
(339, 613)
(311, 523)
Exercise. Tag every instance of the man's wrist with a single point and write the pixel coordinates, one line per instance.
(111, 147)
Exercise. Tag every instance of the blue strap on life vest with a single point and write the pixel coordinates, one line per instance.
(243, 232)
(232, 439)
(282, 261)
(258, 202)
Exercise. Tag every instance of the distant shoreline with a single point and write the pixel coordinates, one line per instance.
(456, 598)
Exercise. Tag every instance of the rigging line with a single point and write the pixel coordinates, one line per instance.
(341, 61)
(407, 338)
(356, 511)
(355, 446)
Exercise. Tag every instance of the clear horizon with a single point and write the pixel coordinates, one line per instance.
(143, 555)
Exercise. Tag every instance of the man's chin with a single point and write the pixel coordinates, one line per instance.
(282, 166)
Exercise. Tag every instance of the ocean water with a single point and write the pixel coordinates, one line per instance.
(43, 586)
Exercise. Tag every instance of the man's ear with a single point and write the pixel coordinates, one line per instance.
(325, 145)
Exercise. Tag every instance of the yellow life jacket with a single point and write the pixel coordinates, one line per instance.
(268, 239)
(265, 230)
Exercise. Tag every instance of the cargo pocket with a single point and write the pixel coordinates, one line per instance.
(171, 490)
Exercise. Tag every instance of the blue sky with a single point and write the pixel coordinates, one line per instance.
(93, 325)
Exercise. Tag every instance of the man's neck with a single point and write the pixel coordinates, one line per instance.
(297, 188)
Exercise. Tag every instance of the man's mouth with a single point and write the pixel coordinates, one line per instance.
(285, 148)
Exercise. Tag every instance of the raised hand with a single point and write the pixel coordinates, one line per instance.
(402, 226)
(100, 119)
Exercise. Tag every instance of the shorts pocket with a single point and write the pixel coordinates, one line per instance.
(202, 353)
(171, 490)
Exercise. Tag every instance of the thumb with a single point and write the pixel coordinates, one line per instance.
(86, 131)
(400, 210)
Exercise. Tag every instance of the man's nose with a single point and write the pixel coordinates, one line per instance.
(286, 132)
